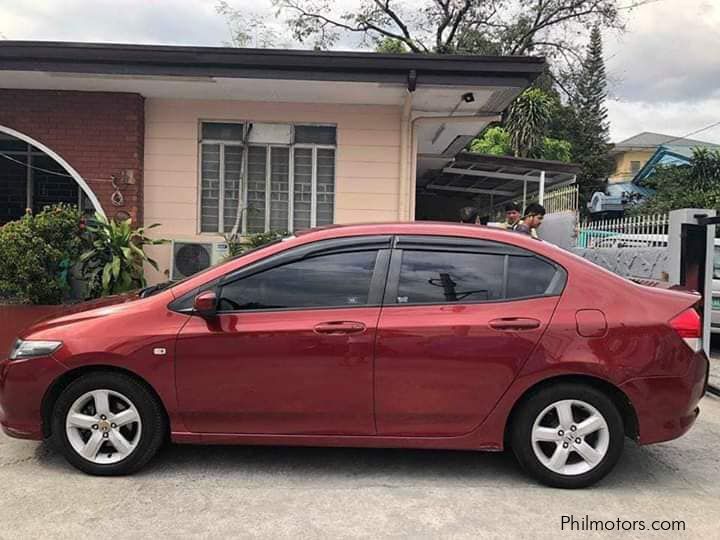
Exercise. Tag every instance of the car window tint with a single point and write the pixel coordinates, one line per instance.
(335, 280)
(439, 277)
(528, 276)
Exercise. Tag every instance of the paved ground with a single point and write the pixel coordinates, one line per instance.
(293, 492)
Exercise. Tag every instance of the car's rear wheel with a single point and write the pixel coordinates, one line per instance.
(568, 435)
(107, 423)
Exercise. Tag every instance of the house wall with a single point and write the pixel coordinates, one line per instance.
(99, 134)
(367, 170)
(623, 161)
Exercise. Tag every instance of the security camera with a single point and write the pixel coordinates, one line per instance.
(468, 97)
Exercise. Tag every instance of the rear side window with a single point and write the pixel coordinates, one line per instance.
(333, 280)
(528, 276)
(438, 277)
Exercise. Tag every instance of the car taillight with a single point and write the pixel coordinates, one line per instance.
(689, 327)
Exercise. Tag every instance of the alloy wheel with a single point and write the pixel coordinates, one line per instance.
(103, 426)
(570, 437)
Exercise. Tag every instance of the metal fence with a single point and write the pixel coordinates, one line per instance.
(562, 199)
(555, 200)
(625, 232)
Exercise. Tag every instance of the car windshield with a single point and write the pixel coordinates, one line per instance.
(154, 289)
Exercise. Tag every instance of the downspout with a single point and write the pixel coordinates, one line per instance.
(405, 150)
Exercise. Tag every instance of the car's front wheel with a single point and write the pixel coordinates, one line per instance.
(568, 435)
(107, 423)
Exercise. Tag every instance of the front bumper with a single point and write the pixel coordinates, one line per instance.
(667, 407)
(23, 384)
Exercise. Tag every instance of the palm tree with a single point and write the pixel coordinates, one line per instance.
(528, 120)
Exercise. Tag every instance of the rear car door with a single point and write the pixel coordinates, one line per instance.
(291, 348)
(460, 317)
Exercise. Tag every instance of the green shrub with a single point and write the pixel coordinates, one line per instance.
(37, 253)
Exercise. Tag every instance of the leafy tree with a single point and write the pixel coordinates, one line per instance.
(508, 27)
(496, 141)
(696, 185)
(391, 46)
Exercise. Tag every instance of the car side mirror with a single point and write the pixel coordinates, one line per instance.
(205, 304)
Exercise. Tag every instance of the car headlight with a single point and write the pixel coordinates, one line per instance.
(29, 348)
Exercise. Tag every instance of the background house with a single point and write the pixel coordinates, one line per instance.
(633, 153)
(637, 158)
(207, 140)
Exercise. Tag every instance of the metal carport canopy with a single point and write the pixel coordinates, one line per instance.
(502, 177)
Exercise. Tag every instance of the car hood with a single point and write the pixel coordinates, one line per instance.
(83, 311)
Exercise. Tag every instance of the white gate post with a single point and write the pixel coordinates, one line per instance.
(687, 216)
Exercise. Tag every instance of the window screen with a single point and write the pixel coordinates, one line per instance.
(315, 135)
(336, 280)
(210, 188)
(439, 277)
(279, 187)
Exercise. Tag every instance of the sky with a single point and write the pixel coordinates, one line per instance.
(664, 70)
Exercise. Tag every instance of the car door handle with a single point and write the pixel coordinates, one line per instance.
(337, 328)
(509, 324)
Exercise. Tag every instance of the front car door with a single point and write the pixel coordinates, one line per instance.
(291, 349)
(460, 318)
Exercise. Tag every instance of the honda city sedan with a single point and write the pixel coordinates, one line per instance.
(417, 335)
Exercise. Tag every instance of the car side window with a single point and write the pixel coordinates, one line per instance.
(332, 280)
(439, 277)
(528, 276)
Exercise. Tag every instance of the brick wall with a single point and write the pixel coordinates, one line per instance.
(98, 133)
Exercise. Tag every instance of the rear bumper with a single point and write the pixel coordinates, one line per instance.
(667, 407)
(23, 384)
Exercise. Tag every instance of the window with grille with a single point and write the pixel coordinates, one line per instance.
(251, 188)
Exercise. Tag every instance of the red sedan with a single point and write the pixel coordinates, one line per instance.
(419, 335)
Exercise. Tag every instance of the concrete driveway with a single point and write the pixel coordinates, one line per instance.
(309, 492)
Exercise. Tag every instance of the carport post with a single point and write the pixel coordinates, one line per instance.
(541, 193)
(524, 195)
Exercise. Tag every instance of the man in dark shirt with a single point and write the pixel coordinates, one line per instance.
(531, 221)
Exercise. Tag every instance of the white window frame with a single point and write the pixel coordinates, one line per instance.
(268, 175)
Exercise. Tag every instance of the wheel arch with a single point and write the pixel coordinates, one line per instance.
(619, 398)
(62, 382)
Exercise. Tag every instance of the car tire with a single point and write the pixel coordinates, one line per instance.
(118, 442)
(551, 435)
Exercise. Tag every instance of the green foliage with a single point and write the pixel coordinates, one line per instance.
(113, 261)
(496, 141)
(528, 120)
(555, 149)
(37, 252)
(696, 185)
(389, 45)
(238, 244)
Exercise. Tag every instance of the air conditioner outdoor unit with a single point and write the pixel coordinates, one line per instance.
(190, 257)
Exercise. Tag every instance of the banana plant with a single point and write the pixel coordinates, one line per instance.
(113, 262)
